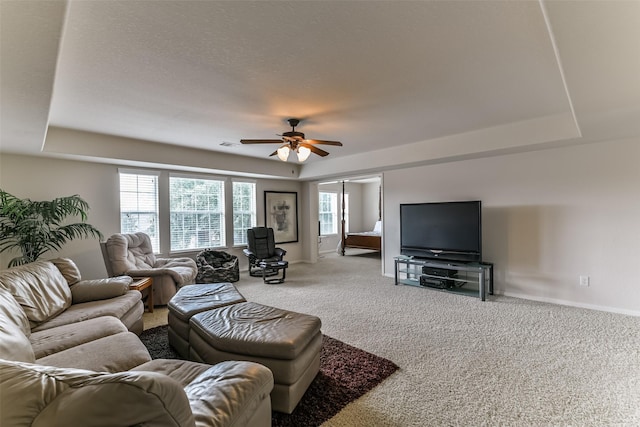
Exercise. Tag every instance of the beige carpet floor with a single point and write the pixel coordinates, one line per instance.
(463, 362)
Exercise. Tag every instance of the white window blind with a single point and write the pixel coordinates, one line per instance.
(196, 213)
(244, 210)
(139, 205)
(328, 213)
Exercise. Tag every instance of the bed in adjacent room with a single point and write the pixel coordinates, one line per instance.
(364, 240)
(371, 240)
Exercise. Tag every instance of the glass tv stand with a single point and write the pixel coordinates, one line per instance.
(475, 279)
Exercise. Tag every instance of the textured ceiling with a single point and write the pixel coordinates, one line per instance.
(442, 79)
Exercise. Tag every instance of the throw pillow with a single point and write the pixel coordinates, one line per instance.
(99, 289)
(69, 270)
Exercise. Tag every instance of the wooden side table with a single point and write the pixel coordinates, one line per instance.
(141, 283)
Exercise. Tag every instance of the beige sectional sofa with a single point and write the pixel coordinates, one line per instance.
(69, 355)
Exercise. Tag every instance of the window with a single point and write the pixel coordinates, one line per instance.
(139, 205)
(196, 208)
(244, 210)
(328, 213)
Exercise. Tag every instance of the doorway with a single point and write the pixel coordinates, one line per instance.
(350, 206)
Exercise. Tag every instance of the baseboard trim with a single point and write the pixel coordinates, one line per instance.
(556, 301)
(330, 251)
(605, 308)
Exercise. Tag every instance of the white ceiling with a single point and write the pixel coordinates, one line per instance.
(400, 83)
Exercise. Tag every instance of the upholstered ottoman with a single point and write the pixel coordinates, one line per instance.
(286, 342)
(193, 299)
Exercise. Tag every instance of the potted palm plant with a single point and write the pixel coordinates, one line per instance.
(34, 227)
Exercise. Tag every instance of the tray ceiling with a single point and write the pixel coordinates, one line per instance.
(399, 83)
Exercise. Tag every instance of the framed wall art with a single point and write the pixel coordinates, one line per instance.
(281, 214)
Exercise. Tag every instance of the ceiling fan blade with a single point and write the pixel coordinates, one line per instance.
(261, 141)
(320, 141)
(315, 149)
(275, 153)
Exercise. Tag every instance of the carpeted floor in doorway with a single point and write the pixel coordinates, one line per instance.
(346, 373)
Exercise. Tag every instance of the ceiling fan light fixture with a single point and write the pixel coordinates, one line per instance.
(303, 153)
(283, 153)
(294, 141)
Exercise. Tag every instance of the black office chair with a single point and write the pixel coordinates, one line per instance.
(262, 248)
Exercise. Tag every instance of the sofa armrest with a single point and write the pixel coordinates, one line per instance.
(238, 389)
(99, 289)
(175, 262)
(182, 273)
(41, 395)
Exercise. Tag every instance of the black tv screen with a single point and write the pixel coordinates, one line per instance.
(450, 231)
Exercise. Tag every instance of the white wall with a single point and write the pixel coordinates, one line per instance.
(370, 205)
(548, 217)
(41, 178)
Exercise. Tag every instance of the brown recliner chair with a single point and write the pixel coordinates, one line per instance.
(132, 255)
(262, 248)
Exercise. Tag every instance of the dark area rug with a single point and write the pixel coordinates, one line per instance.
(346, 373)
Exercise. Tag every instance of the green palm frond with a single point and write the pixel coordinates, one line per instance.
(35, 227)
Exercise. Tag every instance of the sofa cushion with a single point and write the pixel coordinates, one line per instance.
(99, 289)
(13, 344)
(41, 396)
(69, 270)
(114, 353)
(39, 288)
(13, 312)
(55, 340)
(117, 307)
(14, 329)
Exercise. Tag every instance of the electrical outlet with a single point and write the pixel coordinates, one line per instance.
(584, 280)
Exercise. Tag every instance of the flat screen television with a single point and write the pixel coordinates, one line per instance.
(448, 231)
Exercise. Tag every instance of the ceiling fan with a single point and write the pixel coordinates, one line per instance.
(294, 141)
